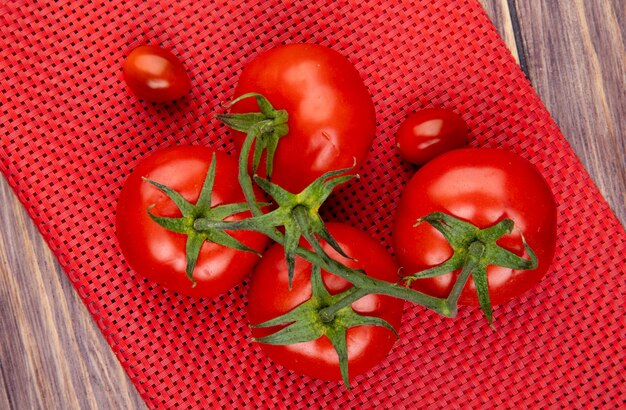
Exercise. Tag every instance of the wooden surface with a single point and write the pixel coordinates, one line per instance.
(52, 355)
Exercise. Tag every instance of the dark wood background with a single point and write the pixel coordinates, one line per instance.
(52, 355)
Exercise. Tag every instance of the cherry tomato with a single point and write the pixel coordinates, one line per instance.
(155, 74)
(269, 297)
(159, 254)
(331, 114)
(428, 133)
(481, 186)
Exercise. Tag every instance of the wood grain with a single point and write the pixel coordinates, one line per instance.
(577, 63)
(53, 356)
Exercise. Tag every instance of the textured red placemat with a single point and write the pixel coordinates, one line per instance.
(71, 132)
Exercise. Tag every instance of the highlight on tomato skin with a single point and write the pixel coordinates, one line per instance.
(269, 296)
(155, 74)
(159, 254)
(482, 186)
(430, 132)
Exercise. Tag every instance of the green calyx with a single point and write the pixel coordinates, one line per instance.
(322, 315)
(473, 249)
(298, 214)
(202, 210)
(267, 127)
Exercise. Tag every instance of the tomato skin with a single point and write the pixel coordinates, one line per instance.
(155, 74)
(425, 134)
(331, 114)
(159, 254)
(482, 186)
(269, 296)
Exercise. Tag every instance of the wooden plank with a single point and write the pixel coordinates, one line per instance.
(501, 16)
(52, 355)
(577, 63)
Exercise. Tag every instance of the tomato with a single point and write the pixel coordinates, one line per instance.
(159, 254)
(481, 186)
(155, 74)
(269, 297)
(331, 114)
(428, 133)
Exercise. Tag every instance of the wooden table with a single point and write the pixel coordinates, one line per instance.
(53, 356)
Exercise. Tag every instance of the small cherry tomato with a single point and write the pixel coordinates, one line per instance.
(155, 74)
(428, 133)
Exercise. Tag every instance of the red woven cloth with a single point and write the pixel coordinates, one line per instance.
(71, 132)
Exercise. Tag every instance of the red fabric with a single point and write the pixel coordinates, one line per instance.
(71, 132)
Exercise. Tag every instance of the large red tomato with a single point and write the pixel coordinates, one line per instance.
(481, 186)
(159, 254)
(269, 297)
(331, 114)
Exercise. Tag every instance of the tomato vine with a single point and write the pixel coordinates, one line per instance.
(296, 216)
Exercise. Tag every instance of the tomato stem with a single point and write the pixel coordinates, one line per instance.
(476, 251)
(350, 296)
(371, 285)
(244, 177)
(267, 126)
(358, 278)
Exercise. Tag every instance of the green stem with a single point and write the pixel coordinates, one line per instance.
(244, 177)
(364, 282)
(375, 286)
(476, 250)
(350, 296)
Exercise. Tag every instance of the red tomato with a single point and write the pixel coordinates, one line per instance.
(481, 186)
(331, 114)
(269, 297)
(428, 133)
(155, 74)
(159, 254)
